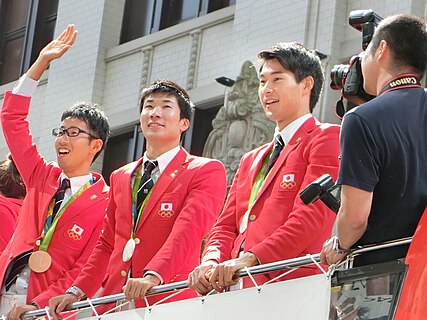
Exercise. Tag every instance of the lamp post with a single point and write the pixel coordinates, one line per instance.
(227, 83)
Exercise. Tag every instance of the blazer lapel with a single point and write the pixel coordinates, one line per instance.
(127, 191)
(277, 166)
(257, 164)
(297, 138)
(172, 171)
(83, 201)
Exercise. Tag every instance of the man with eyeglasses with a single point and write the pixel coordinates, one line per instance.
(62, 214)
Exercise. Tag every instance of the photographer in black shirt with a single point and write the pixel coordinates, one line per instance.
(384, 146)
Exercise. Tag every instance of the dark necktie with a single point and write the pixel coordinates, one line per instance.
(146, 182)
(59, 195)
(278, 146)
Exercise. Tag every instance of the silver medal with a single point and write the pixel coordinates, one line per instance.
(244, 221)
(128, 250)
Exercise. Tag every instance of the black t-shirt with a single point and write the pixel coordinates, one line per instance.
(384, 151)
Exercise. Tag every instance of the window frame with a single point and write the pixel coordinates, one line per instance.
(33, 33)
(156, 18)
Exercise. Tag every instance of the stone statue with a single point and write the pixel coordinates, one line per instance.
(240, 124)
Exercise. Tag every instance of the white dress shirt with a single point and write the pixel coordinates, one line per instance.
(288, 132)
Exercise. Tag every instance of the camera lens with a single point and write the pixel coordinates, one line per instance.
(338, 75)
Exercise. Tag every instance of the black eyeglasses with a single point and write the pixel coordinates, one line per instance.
(71, 132)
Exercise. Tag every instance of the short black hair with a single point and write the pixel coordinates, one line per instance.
(299, 60)
(406, 36)
(95, 118)
(171, 88)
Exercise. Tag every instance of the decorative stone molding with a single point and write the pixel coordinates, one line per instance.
(196, 40)
(241, 124)
(147, 58)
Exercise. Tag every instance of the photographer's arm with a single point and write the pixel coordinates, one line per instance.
(353, 215)
(351, 223)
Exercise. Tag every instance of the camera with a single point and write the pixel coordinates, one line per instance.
(349, 78)
(325, 189)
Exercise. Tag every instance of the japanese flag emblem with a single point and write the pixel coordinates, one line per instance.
(166, 206)
(288, 178)
(288, 181)
(166, 210)
(75, 232)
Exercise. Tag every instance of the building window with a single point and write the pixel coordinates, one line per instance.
(142, 17)
(26, 26)
(202, 127)
(129, 145)
(121, 149)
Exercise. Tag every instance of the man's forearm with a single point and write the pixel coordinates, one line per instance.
(37, 68)
(352, 219)
(348, 234)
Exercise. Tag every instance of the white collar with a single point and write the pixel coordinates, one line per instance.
(76, 182)
(288, 131)
(165, 158)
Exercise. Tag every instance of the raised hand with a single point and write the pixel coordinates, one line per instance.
(53, 50)
(57, 47)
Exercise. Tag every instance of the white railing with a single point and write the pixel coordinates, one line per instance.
(269, 267)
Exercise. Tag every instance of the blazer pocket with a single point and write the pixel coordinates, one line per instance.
(166, 210)
(74, 236)
(287, 183)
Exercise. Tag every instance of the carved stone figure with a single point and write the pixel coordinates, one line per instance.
(240, 124)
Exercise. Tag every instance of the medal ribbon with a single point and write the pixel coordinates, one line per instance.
(259, 180)
(136, 215)
(50, 223)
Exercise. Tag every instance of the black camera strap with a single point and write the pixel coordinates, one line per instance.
(401, 82)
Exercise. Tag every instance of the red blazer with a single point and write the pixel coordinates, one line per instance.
(280, 225)
(41, 179)
(169, 244)
(9, 210)
(412, 298)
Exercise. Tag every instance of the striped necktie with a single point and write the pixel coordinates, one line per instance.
(278, 146)
(146, 182)
(59, 195)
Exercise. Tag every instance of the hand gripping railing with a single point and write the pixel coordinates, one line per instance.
(268, 267)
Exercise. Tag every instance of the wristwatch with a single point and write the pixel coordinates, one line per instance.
(336, 246)
(75, 291)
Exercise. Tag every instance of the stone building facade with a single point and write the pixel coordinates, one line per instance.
(104, 68)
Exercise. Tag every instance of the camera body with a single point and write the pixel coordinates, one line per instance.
(349, 78)
(325, 189)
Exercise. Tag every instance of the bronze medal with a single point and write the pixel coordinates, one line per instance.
(128, 250)
(39, 261)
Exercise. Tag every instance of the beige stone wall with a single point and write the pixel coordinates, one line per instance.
(192, 53)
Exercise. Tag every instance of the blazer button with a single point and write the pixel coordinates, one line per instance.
(123, 273)
(252, 217)
(137, 241)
